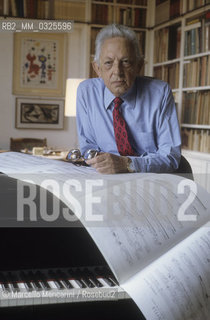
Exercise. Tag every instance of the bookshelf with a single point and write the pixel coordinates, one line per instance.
(182, 57)
(45, 9)
(95, 13)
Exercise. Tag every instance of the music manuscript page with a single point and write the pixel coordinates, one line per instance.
(151, 228)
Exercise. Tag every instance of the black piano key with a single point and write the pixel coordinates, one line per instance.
(87, 283)
(78, 273)
(34, 282)
(4, 282)
(63, 277)
(12, 278)
(43, 277)
(31, 282)
(40, 277)
(85, 277)
(53, 277)
(93, 278)
(24, 277)
(74, 276)
(105, 274)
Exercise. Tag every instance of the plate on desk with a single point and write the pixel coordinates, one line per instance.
(55, 155)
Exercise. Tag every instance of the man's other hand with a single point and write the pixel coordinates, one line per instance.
(108, 163)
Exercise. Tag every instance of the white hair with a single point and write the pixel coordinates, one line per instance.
(116, 30)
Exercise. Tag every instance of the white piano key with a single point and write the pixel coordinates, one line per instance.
(74, 284)
(11, 287)
(52, 284)
(22, 286)
(23, 294)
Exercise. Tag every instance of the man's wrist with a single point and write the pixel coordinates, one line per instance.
(130, 166)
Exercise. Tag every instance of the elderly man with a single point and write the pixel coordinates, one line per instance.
(130, 120)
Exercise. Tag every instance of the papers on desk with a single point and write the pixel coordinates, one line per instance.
(139, 223)
(20, 163)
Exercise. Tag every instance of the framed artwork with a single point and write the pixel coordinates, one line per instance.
(39, 114)
(39, 64)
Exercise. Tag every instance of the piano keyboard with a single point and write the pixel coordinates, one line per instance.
(58, 285)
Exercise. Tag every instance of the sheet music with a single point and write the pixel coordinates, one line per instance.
(133, 218)
(148, 226)
(176, 286)
(18, 163)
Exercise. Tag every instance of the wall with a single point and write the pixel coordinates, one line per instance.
(77, 67)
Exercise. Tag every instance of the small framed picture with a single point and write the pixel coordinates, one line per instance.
(39, 114)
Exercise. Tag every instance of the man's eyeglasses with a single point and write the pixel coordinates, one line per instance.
(74, 156)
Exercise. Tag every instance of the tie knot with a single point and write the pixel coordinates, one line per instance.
(117, 102)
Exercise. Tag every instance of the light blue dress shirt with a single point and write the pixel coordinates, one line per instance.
(149, 110)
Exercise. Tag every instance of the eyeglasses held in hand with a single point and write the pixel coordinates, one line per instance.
(74, 156)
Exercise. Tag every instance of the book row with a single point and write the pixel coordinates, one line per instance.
(168, 40)
(105, 14)
(168, 73)
(43, 9)
(197, 72)
(129, 2)
(169, 9)
(69, 10)
(196, 140)
(26, 8)
(167, 43)
(196, 107)
(75, 10)
(197, 39)
(194, 4)
(166, 9)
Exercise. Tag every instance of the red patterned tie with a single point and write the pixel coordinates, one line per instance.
(120, 130)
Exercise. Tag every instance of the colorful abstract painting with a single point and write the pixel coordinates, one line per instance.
(39, 63)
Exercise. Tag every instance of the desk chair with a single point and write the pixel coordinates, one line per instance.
(184, 169)
(18, 144)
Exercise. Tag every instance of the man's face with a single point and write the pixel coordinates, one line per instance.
(118, 67)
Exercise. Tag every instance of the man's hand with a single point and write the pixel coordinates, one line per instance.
(108, 163)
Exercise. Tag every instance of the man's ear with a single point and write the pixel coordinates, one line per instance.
(140, 65)
(96, 68)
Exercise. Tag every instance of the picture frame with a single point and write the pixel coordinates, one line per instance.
(39, 114)
(38, 64)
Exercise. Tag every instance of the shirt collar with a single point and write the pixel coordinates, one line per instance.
(108, 97)
(128, 97)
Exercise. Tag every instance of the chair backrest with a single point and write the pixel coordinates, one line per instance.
(184, 169)
(18, 144)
